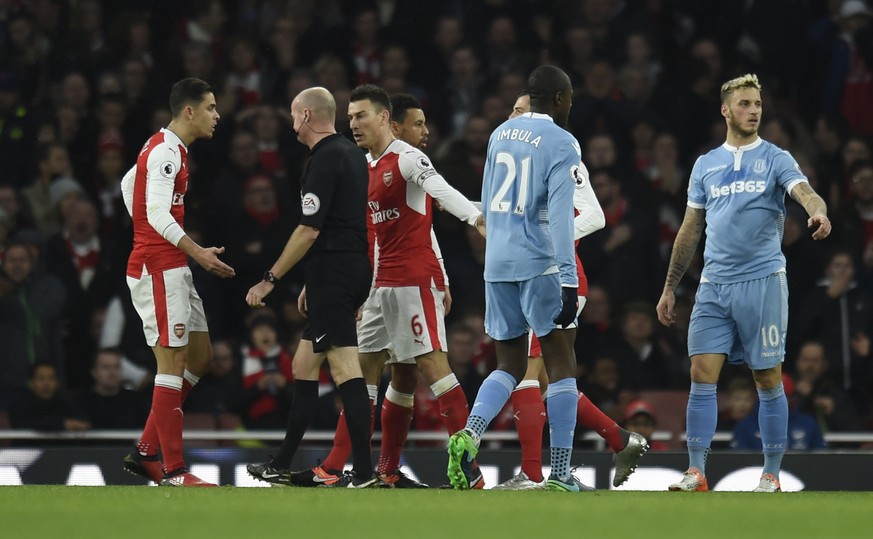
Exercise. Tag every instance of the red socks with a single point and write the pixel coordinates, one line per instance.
(589, 416)
(530, 417)
(453, 409)
(149, 443)
(166, 416)
(396, 418)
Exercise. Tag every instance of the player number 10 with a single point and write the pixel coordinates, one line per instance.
(770, 335)
(498, 204)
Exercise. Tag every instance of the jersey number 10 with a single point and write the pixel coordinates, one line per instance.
(498, 204)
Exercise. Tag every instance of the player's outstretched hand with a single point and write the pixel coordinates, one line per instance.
(823, 224)
(569, 306)
(208, 260)
(257, 293)
(665, 308)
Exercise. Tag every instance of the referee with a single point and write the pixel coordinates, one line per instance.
(337, 276)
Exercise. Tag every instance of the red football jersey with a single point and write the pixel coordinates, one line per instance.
(160, 176)
(400, 214)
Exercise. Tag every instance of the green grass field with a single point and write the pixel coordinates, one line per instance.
(130, 512)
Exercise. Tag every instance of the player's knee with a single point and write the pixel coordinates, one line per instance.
(768, 378)
(434, 366)
(404, 378)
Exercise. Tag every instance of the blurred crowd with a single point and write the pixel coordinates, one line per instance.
(84, 83)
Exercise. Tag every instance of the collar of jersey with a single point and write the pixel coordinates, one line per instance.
(538, 115)
(747, 147)
(168, 131)
(371, 160)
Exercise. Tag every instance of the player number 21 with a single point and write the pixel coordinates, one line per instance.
(498, 204)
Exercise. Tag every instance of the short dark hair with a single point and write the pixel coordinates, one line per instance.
(546, 81)
(401, 104)
(377, 95)
(187, 91)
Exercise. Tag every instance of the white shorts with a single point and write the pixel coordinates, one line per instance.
(408, 321)
(168, 305)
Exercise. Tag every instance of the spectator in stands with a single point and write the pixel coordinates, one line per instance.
(244, 78)
(829, 134)
(464, 159)
(803, 431)
(741, 401)
(604, 387)
(107, 404)
(601, 107)
(838, 313)
(16, 211)
(31, 304)
(267, 391)
(848, 73)
(639, 417)
(854, 226)
(461, 91)
(647, 360)
(45, 406)
(819, 395)
(90, 272)
(462, 347)
(115, 222)
(255, 240)
(596, 327)
(220, 390)
(804, 257)
(52, 162)
(623, 256)
(364, 44)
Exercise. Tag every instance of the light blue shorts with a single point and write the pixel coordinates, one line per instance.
(746, 321)
(511, 308)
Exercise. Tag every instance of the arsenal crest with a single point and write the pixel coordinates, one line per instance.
(387, 177)
(179, 330)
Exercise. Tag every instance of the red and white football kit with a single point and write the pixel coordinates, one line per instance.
(405, 310)
(160, 281)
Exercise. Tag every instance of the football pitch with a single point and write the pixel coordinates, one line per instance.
(130, 512)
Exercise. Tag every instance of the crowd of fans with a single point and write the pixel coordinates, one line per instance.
(83, 83)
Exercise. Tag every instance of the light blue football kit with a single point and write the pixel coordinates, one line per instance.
(742, 303)
(531, 171)
(527, 203)
(741, 307)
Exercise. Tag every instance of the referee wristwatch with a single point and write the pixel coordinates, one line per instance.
(269, 277)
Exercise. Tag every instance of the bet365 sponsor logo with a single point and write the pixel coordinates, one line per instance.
(751, 186)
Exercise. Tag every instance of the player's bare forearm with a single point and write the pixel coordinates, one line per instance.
(298, 245)
(815, 207)
(809, 199)
(684, 246)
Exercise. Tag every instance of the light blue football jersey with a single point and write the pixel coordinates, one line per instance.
(743, 192)
(527, 199)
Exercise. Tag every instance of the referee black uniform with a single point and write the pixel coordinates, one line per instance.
(337, 273)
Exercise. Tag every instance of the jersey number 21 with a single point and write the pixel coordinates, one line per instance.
(498, 203)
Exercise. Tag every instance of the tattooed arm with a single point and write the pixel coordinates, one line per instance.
(816, 209)
(683, 251)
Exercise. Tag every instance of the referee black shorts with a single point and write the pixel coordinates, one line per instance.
(337, 284)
